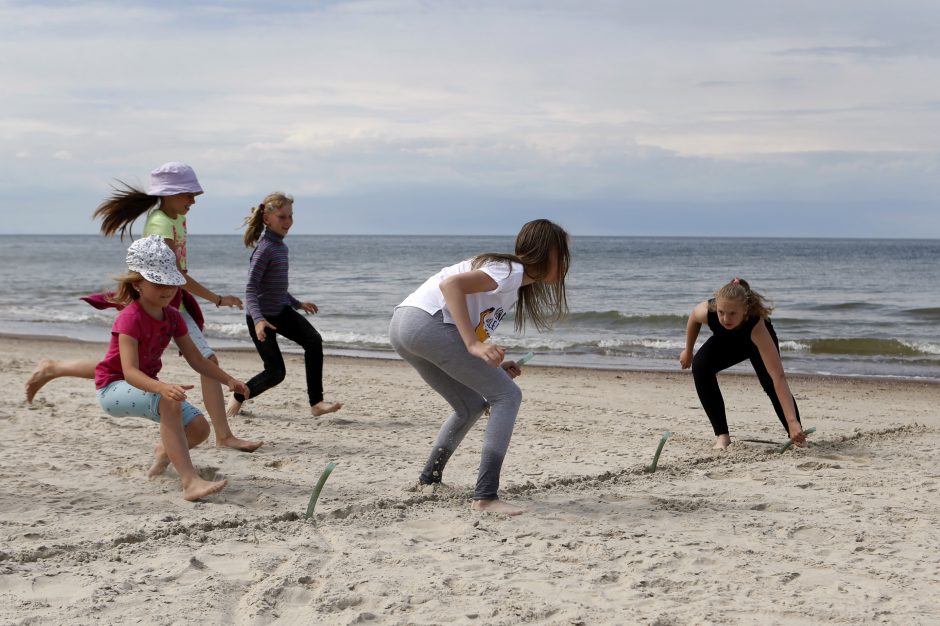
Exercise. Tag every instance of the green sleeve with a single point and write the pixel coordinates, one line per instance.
(159, 223)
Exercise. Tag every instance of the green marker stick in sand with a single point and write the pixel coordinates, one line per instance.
(786, 446)
(524, 358)
(659, 449)
(316, 490)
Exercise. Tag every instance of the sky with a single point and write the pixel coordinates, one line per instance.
(816, 118)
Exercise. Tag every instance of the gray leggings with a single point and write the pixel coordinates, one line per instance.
(436, 350)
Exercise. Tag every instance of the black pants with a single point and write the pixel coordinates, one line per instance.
(295, 327)
(717, 355)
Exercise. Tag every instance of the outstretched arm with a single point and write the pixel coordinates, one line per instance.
(195, 287)
(771, 358)
(206, 367)
(455, 289)
(698, 317)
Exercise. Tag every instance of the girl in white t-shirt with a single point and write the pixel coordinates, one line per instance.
(442, 328)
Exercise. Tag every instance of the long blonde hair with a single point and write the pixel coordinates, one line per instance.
(125, 292)
(254, 223)
(541, 303)
(738, 290)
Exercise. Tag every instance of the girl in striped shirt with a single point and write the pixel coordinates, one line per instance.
(272, 310)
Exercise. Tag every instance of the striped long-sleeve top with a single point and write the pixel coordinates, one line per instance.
(266, 293)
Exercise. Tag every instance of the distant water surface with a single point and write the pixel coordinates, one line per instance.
(843, 306)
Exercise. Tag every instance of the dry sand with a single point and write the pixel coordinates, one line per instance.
(845, 531)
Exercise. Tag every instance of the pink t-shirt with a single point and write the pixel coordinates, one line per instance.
(153, 336)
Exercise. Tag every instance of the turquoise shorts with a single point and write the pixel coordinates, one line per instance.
(122, 399)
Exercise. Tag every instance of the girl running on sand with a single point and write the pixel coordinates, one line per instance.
(442, 329)
(739, 320)
(272, 309)
(126, 380)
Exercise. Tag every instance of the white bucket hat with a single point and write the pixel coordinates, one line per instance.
(152, 258)
(172, 178)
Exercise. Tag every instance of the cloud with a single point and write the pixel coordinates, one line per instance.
(581, 106)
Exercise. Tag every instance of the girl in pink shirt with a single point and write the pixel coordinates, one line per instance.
(126, 380)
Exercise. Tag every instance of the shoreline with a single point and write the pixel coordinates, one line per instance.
(59, 339)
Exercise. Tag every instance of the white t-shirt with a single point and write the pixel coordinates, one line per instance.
(487, 309)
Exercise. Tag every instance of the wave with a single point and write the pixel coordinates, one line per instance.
(616, 319)
(863, 347)
(931, 314)
(848, 306)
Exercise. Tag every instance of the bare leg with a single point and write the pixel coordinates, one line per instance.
(722, 442)
(323, 407)
(48, 369)
(196, 431)
(176, 445)
(215, 406)
(497, 506)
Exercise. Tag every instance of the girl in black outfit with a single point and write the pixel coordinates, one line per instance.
(741, 329)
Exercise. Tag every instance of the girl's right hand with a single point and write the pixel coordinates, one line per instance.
(260, 326)
(685, 359)
(491, 354)
(174, 392)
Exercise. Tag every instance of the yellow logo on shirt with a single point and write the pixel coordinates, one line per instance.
(489, 320)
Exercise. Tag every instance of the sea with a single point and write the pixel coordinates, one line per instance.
(843, 307)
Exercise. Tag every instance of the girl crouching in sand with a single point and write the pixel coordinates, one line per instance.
(441, 330)
(126, 380)
(739, 320)
(272, 310)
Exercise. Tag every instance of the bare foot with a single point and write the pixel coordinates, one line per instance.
(323, 407)
(160, 462)
(198, 488)
(235, 443)
(234, 406)
(722, 442)
(497, 506)
(43, 373)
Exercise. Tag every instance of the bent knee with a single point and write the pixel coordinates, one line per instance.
(277, 376)
(510, 395)
(170, 409)
(199, 428)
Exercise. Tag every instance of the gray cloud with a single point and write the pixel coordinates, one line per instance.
(396, 115)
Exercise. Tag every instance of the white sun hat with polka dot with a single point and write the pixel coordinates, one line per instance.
(152, 258)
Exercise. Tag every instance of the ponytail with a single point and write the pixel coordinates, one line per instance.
(121, 208)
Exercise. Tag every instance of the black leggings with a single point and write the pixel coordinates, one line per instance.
(717, 355)
(295, 327)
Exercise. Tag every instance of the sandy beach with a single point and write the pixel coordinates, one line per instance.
(843, 531)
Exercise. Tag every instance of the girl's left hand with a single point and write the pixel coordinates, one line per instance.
(309, 307)
(797, 436)
(511, 368)
(230, 301)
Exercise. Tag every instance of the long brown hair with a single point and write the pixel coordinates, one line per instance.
(738, 290)
(541, 303)
(119, 211)
(254, 223)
